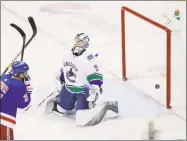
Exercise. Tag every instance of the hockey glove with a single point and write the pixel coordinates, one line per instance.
(92, 91)
(27, 82)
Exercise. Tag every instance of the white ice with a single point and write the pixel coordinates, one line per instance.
(139, 101)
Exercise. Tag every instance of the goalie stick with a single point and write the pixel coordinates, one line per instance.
(33, 26)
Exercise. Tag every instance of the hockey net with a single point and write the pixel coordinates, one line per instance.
(146, 52)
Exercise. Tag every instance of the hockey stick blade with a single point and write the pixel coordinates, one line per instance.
(33, 25)
(18, 29)
(34, 29)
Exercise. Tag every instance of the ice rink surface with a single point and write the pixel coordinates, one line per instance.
(139, 101)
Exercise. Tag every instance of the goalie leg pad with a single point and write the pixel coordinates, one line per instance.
(91, 117)
(49, 106)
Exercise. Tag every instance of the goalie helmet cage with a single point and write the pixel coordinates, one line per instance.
(167, 45)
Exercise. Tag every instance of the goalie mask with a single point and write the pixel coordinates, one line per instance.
(81, 44)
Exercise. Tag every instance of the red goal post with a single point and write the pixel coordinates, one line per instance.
(168, 48)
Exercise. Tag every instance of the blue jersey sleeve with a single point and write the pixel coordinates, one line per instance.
(21, 96)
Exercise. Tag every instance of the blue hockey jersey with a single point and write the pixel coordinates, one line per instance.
(13, 95)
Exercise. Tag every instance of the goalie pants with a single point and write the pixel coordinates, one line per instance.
(67, 100)
(6, 133)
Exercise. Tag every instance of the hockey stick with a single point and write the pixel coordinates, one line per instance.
(38, 105)
(45, 99)
(23, 36)
(33, 25)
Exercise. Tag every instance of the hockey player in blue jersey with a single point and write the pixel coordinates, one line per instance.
(15, 93)
(79, 80)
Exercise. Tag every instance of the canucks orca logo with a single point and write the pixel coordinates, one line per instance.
(71, 76)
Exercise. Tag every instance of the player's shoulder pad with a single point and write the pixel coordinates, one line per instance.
(91, 56)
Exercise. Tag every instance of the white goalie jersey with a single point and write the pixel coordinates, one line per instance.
(77, 71)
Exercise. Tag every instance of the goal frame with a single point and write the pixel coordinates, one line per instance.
(125, 9)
